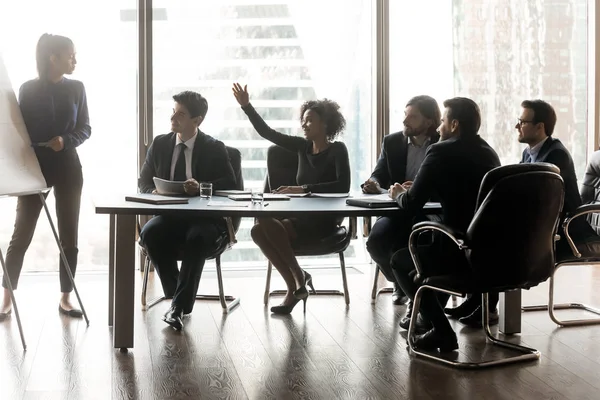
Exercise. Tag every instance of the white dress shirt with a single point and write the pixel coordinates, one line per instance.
(535, 150)
(189, 147)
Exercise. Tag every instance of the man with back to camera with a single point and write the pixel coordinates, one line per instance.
(452, 170)
(189, 155)
(401, 156)
(535, 127)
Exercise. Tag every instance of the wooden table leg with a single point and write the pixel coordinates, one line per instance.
(124, 282)
(111, 268)
(510, 312)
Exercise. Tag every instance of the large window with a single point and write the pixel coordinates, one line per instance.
(104, 34)
(498, 53)
(287, 52)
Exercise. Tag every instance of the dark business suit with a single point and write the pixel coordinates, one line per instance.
(452, 171)
(389, 234)
(554, 152)
(167, 237)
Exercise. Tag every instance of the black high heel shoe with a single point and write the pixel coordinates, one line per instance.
(308, 282)
(302, 294)
(287, 309)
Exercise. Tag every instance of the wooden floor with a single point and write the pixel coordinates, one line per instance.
(332, 352)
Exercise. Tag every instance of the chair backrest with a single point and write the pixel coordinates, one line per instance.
(282, 167)
(511, 236)
(590, 189)
(235, 159)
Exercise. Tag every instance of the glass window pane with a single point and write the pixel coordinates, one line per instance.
(105, 37)
(498, 53)
(287, 53)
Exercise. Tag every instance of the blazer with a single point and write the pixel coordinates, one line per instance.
(554, 152)
(391, 165)
(210, 162)
(452, 173)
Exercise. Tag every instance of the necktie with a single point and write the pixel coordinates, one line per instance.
(179, 175)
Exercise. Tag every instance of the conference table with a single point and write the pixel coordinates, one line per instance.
(122, 245)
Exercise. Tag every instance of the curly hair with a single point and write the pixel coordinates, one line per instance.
(330, 114)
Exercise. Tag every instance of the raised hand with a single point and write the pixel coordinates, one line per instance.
(241, 94)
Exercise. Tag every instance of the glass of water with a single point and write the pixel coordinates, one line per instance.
(257, 197)
(205, 190)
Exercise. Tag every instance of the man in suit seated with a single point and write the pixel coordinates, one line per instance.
(401, 156)
(452, 170)
(191, 156)
(535, 127)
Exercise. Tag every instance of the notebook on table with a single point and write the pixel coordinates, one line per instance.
(157, 199)
(374, 201)
(266, 196)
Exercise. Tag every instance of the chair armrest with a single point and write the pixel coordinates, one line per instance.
(579, 211)
(230, 232)
(456, 236)
(366, 226)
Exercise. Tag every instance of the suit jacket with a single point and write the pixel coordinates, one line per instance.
(210, 162)
(554, 152)
(451, 172)
(391, 166)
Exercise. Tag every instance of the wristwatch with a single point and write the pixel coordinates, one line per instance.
(304, 188)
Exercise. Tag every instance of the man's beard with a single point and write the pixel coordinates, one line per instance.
(409, 132)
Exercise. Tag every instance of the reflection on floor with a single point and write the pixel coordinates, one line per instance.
(331, 352)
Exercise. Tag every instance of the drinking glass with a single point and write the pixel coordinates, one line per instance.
(257, 197)
(205, 190)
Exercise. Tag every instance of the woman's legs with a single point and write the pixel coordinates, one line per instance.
(28, 212)
(68, 200)
(274, 237)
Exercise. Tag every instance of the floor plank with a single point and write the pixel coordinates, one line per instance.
(331, 352)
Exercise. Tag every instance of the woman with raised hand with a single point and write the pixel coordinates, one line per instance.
(323, 167)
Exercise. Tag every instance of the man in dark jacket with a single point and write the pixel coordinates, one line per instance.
(452, 171)
(401, 156)
(190, 156)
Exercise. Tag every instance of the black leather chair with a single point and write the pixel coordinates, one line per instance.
(223, 243)
(501, 255)
(586, 252)
(282, 167)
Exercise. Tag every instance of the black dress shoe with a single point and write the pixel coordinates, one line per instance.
(174, 317)
(421, 327)
(432, 340)
(74, 312)
(465, 309)
(474, 320)
(398, 296)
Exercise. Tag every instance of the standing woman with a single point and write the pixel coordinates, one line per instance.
(323, 167)
(55, 112)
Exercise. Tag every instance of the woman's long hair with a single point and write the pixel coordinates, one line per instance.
(50, 45)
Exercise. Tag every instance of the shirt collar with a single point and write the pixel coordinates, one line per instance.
(189, 143)
(425, 143)
(535, 150)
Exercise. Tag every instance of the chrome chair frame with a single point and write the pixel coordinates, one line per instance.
(228, 303)
(551, 307)
(325, 292)
(527, 354)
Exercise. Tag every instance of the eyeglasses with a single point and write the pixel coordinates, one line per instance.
(521, 122)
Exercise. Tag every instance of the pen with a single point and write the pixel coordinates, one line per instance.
(265, 204)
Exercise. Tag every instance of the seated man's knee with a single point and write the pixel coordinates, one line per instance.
(402, 261)
(257, 231)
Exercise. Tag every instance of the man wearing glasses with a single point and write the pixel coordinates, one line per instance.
(535, 127)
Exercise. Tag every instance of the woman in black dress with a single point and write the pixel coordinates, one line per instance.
(323, 167)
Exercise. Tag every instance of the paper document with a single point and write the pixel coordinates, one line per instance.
(227, 192)
(168, 187)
